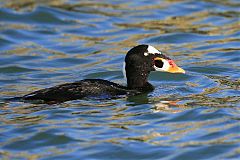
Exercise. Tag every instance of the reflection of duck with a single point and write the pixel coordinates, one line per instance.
(139, 62)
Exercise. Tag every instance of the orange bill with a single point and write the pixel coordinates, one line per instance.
(172, 67)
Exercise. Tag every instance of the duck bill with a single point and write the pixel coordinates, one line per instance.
(168, 66)
(175, 69)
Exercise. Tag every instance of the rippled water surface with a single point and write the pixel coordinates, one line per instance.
(189, 116)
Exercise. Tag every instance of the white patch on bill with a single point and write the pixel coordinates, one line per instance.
(165, 67)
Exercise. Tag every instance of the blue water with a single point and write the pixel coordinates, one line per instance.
(188, 116)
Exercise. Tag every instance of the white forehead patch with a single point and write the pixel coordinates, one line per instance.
(151, 50)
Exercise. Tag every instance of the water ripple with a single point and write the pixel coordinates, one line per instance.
(190, 116)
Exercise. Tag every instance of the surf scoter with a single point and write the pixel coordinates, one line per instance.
(139, 62)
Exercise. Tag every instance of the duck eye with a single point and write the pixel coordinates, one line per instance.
(158, 63)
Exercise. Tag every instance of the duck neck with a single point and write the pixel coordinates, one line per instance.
(138, 79)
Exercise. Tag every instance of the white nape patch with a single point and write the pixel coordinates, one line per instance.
(151, 50)
(165, 67)
(124, 71)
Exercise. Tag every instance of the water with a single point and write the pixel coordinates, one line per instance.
(190, 116)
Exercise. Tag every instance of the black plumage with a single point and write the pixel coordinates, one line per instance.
(139, 62)
(87, 88)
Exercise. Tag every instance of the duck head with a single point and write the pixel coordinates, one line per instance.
(141, 60)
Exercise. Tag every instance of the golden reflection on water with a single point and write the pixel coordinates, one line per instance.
(168, 106)
(178, 131)
(4, 26)
(117, 115)
(188, 24)
(50, 151)
(72, 38)
(29, 4)
(33, 49)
